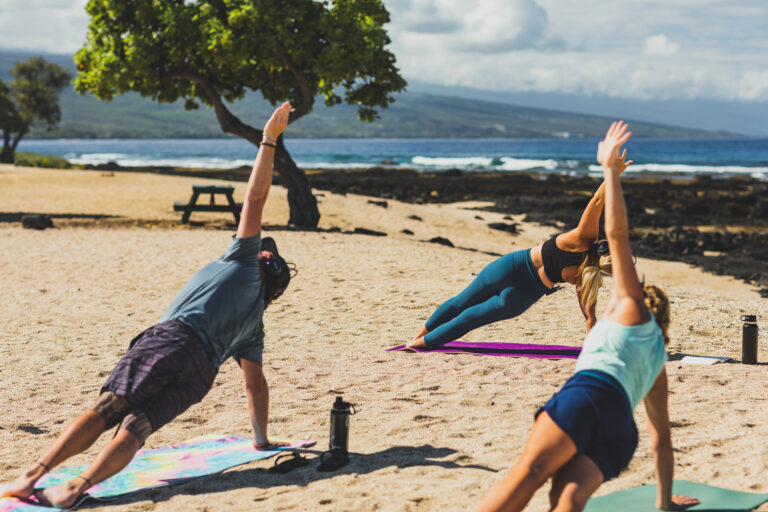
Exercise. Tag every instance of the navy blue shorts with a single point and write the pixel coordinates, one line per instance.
(595, 413)
(165, 370)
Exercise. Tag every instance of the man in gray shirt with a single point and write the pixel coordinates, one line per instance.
(172, 365)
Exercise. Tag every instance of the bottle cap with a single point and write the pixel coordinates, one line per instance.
(749, 318)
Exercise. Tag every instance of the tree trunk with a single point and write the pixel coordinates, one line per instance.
(302, 204)
(7, 155)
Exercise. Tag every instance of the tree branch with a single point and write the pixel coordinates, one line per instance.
(16, 140)
(229, 122)
(307, 100)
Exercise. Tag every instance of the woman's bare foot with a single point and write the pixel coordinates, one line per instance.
(63, 495)
(424, 331)
(416, 343)
(23, 486)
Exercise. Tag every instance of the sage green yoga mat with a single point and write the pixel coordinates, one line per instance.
(643, 499)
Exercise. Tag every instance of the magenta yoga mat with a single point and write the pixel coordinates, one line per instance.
(503, 349)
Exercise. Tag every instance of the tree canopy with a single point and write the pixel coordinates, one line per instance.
(33, 96)
(213, 52)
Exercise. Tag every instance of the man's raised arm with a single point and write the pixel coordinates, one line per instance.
(261, 175)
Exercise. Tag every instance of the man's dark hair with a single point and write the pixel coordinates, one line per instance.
(276, 272)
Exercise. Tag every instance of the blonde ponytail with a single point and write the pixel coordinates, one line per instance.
(658, 304)
(592, 279)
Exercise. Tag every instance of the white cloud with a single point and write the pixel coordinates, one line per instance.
(659, 45)
(56, 26)
(706, 49)
(425, 17)
(597, 48)
(483, 26)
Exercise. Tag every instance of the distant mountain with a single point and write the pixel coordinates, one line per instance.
(413, 115)
(744, 117)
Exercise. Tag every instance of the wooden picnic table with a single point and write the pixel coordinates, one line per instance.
(213, 190)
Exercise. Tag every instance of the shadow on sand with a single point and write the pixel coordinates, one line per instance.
(261, 478)
(16, 216)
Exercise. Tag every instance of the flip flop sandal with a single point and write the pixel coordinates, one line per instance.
(291, 461)
(333, 459)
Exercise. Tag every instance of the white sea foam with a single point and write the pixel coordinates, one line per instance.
(128, 160)
(432, 163)
(337, 165)
(524, 164)
(688, 168)
(95, 158)
(482, 162)
(450, 162)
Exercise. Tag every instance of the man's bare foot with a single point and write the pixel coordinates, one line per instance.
(416, 343)
(23, 486)
(63, 495)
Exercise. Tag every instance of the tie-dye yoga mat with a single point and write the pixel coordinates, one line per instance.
(169, 465)
(502, 349)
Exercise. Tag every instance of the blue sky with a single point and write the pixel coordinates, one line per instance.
(646, 49)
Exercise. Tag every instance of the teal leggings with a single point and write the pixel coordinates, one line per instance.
(504, 289)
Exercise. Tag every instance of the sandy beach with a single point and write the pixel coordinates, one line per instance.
(433, 431)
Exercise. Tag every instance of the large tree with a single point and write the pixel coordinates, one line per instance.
(215, 51)
(33, 96)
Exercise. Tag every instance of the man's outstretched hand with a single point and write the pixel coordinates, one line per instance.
(277, 122)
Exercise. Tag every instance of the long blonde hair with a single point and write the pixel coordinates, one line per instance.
(658, 304)
(591, 279)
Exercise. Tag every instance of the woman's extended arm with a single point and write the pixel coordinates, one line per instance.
(589, 226)
(661, 442)
(625, 279)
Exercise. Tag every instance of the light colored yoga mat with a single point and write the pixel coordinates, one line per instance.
(704, 360)
(643, 499)
(201, 456)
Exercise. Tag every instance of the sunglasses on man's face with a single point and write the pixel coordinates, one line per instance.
(275, 266)
(602, 248)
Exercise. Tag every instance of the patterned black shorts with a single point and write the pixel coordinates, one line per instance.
(165, 370)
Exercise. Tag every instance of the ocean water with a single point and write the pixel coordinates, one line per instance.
(570, 156)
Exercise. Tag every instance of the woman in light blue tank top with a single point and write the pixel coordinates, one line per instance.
(586, 433)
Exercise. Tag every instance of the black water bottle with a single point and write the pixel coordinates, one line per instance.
(340, 414)
(749, 340)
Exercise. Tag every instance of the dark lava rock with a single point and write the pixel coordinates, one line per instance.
(36, 221)
(503, 226)
(371, 232)
(442, 241)
(415, 217)
(407, 232)
(479, 217)
(31, 429)
(383, 204)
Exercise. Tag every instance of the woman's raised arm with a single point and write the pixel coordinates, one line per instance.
(625, 279)
(589, 226)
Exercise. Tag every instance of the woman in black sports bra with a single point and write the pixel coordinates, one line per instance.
(508, 286)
